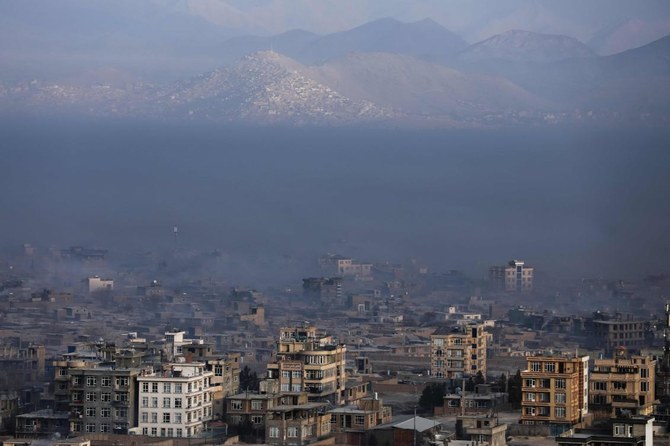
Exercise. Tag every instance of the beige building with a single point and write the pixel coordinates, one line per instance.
(458, 351)
(515, 277)
(555, 390)
(621, 331)
(623, 384)
(311, 362)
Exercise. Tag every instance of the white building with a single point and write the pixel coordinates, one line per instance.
(176, 402)
(96, 283)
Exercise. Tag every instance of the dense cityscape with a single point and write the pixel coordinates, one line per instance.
(366, 353)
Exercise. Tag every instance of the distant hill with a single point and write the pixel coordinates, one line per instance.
(425, 39)
(518, 45)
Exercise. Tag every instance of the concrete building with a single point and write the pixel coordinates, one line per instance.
(309, 361)
(633, 431)
(323, 289)
(41, 424)
(458, 351)
(555, 390)
(95, 284)
(297, 424)
(619, 331)
(623, 384)
(176, 402)
(21, 365)
(481, 429)
(515, 277)
(102, 399)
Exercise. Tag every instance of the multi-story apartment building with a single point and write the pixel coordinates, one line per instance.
(516, 276)
(296, 424)
(103, 399)
(225, 382)
(21, 365)
(458, 351)
(619, 331)
(176, 402)
(309, 361)
(624, 384)
(555, 390)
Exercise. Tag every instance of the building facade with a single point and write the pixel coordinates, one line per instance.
(459, 351)
(623, 384)
(555, 390)
(176, 402)
(311, 362)
(516, 276)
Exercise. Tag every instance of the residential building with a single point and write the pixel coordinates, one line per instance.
(458, 351)
(481, 429)
(515, 277)
(367, 414)
(309, 361)
(555, 390)
(176, 402)
(95, 284)
(296, 424)
(619, 331)
(323, 289)
(41, 424)
(103, 399)
(623, 384)
(629, 430)
(482, 400)
(21, 365)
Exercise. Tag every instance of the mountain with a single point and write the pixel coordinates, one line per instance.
(418, 88)
(290, 43)
(518, 45)
(425, 39)
(264, 87)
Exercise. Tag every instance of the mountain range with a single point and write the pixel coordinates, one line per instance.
(382, 72)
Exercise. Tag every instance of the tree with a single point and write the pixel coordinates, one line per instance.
(249, 380)
(433, 395)
(514, 389)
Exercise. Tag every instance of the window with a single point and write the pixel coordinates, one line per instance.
(644, 386)
(257, 419)
(559, 412)
(599, 385)
(292, 432)
(296, 374)
(285, 387)
(550, 367)
(179, 432)
(177, 388)
(106, 381)
(285, 374)
(162, 432)
(90, 428)
(145, 387)
(644, 373)
(121, 396)
(560, 397)
(76, 396)
(154, 431)
(91, 396)
(273, 432)
(530, 396)
(145, 431)
(76, 380)
(154, 387)
(619, 385)
(360, 419)
(104, 427)
(177, 419)
(177, 403)
(296, 388)
(167, 387)
(559, 383)
(90, 411)
(439, 342)
(154, 401)
(154, 417)
(529, 383)
(166, 417)
(144, 416)
(145, 401)
(235, 405)
(218, 370)
(91, 381)
(535, 366)
(105, 412)
(530, 411)
(170, 432)
(106, 397)
(257, 405)
(122, 381)
(121, 412)
(166, 403)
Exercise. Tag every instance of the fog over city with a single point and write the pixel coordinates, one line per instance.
(343, 222)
